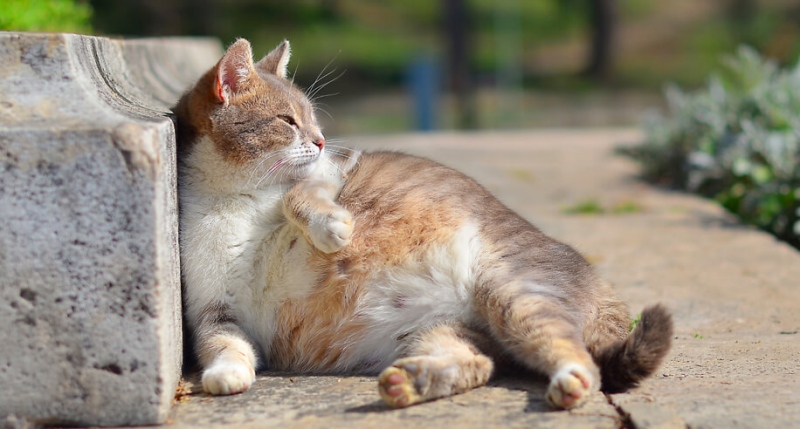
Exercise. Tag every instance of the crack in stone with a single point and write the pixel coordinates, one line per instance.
(624, 417)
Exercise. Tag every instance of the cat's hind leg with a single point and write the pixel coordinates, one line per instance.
(438, 362)
(540, 332)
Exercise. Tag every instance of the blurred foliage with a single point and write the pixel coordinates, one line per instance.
(46, 15)
(737, 141)
(375, 41)
(371, 39)
(519, 50)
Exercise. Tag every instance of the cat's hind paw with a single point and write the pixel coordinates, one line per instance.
(571, 386)
(332, 232)
(397, 387)
(227, 378)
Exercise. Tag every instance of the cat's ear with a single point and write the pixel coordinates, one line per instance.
(234, 71)
(276, 61)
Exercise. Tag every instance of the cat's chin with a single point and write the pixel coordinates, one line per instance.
(306, 169)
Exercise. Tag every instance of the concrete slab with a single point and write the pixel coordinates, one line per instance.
(89, 273)
(734, 291)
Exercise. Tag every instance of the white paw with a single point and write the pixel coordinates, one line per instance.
(332, 231)
(226, 377)
(571, 385)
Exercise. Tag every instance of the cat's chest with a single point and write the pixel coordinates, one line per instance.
(265, 256)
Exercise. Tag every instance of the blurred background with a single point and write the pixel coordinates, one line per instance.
(714, 85)
(401, 65)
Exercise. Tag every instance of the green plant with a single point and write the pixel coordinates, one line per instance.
(593, 207)
(634, 322)
(737, 141)
(46, 15)
(589, 206)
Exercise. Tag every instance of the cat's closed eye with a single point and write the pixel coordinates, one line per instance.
(288, 119)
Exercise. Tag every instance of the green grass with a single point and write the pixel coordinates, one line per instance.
(585, 207)
(593, 207)
(635, 322)
(626, 207)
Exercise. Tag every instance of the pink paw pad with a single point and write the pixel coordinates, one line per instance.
(396, 387)
(570, 387)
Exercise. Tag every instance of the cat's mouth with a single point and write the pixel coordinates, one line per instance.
(307, 159)
(297, 164)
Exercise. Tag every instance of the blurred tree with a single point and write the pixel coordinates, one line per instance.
(602, 23)
(458, 49)
(202, 18)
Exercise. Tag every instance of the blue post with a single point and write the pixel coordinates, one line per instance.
(423, 82)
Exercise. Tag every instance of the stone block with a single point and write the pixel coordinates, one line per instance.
(90, 315)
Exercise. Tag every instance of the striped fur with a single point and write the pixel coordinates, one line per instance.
(326, 260)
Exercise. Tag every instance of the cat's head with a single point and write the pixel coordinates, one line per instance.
(252, 115)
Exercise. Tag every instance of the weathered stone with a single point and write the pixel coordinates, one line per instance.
(89, 272)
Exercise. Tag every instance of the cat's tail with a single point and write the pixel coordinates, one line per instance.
(624, 364)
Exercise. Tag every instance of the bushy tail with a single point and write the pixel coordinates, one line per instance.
(624, 364)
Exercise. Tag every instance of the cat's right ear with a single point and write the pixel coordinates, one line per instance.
(276, 61)
(234, 71)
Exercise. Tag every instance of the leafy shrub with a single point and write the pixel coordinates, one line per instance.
(737, 141)
(46, 15)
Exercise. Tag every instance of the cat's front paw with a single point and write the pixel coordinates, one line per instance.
(571, 386)
(228, 377)
(332, 231)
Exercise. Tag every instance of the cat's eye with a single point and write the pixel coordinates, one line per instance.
(288, 119)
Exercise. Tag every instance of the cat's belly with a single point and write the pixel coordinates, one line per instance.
(318, 314)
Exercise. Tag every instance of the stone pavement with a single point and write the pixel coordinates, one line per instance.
(734, 291)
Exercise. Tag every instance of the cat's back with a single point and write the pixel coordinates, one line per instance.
(389, 182)
(403, 204)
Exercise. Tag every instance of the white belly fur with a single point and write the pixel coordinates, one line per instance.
(419, 293)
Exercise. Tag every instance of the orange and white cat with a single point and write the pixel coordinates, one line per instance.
(314, 259)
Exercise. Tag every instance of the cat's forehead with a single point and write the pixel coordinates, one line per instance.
(281, 92)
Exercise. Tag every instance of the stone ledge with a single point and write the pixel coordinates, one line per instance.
(89, 272)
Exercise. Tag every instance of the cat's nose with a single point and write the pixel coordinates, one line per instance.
(320, 143)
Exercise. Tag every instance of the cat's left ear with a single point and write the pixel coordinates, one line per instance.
(276, 61)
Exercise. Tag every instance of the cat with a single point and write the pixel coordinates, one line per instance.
(319, 259)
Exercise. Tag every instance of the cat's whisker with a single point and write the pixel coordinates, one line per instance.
(275, 167)
(343, 152)
(277, 164)
(323, 111)
(325, 96)
(259, 165)
(332, 144)
(340, 153)
(339, 170)
(294, 73)
(311, 88)
(319, 88)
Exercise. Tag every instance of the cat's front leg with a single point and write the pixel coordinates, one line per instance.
(227, 357)
(310, 206)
